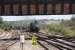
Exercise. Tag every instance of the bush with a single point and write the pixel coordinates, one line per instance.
(61, 30)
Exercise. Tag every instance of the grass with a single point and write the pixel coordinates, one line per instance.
(61, 30)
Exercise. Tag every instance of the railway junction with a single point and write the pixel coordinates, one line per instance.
(44, 42)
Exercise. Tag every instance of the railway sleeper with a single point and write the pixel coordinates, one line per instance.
(43, 45)
(6, 45)
(60, 45)
(65, 42)
(73, 41)
(49, 46)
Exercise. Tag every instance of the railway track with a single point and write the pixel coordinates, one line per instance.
(58, 43)
(46, 42)
(6, 44)
(10, 44)
(70, 40)
(47, 46)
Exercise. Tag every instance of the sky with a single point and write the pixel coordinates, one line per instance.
(56, 17)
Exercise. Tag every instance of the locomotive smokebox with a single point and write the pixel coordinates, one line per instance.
(34, 26)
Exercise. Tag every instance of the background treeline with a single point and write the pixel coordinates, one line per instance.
(65, 28)
(14, 25)
(56, 27)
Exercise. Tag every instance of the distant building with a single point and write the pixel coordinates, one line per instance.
(36, 7)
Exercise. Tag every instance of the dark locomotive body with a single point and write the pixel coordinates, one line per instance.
(34, 27)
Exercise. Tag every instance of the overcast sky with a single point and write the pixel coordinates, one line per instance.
(15, 18)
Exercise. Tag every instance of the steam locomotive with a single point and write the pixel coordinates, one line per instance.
(34, 26)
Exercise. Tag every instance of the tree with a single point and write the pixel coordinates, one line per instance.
(70, 23)
(1, 20)
(73, 18)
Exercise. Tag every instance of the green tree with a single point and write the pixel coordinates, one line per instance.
(73, 18)
(1, 20)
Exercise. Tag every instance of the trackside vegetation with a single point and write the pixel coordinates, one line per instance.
(65, 27)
